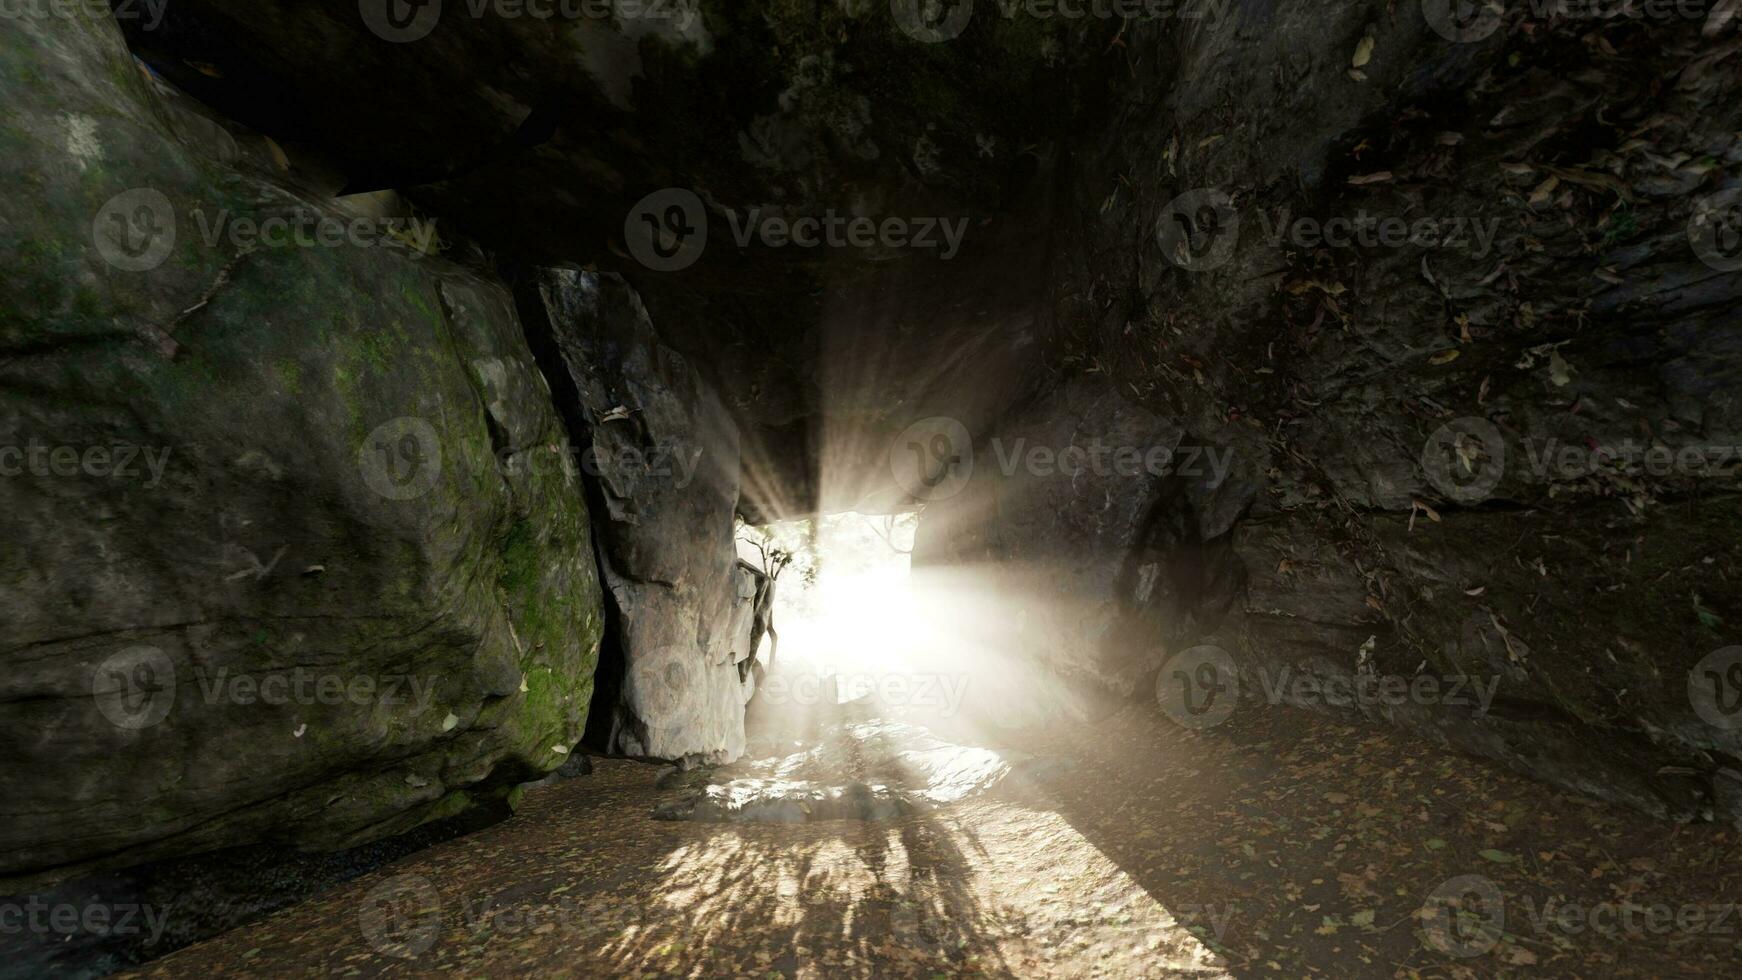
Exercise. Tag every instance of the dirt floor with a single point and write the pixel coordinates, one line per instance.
(1286, 845)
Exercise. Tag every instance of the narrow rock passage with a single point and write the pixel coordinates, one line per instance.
(1284, 845)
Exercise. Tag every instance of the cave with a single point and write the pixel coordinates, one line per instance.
(1132, 488)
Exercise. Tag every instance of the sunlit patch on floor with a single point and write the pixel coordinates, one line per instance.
(1017, 889)
(872, 770)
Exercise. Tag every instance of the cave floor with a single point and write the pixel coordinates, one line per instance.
(1286, 845)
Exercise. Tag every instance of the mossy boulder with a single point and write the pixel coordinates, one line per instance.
(295, 550)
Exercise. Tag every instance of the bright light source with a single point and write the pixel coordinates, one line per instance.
(844, 607)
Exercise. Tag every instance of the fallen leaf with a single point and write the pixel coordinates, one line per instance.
(1559, 371)
(1364, 51)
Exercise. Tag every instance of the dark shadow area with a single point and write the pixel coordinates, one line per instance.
(154, 909)
(1315, 842)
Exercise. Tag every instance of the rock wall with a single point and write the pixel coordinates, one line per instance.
(291, 552)
(660, 454)
(1399, 408)
(594, 134)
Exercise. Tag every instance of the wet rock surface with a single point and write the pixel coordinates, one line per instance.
(868, 770)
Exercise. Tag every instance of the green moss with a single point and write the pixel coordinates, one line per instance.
(376, 350)
(289, 376)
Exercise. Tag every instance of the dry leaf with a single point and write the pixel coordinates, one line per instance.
(1363, 52)
(1559, 371)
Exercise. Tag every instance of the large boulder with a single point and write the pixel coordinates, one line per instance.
(291, 552)
(660, 454)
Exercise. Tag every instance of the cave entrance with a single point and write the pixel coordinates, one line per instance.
(844, 620)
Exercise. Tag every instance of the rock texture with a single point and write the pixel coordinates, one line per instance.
(342, 585)
(1136, 270)
(565, 138)
(660, 454)
(1586, 149)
